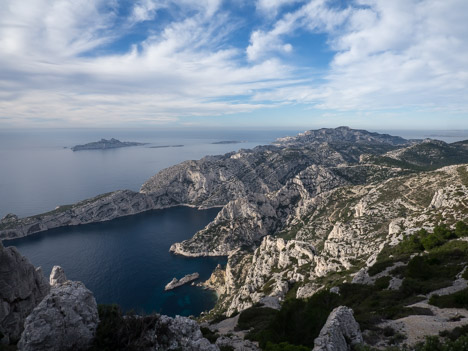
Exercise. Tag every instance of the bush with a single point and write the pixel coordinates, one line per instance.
(299, 321)
(255, 317)
(284, 346)
(456, 300)
(461, 229)
(118, 332)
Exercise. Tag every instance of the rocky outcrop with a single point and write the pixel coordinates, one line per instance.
(22, 287)
(217, 281)
(340, 332)
(57, 276)
(182, 333)
(174, 283)
(66, 319)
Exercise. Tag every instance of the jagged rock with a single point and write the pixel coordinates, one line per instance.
(236, 343)
(66, 319)
(340, 332)
(307, 290)
(217, 281)
(57, 276)
(174, 283)
(22, 287)
(270, 302)
(182, 333)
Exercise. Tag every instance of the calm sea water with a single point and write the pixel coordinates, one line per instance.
(125, 261)
(38, 174)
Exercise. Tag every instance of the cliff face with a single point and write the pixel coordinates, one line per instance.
(22, 287)
(343, 230)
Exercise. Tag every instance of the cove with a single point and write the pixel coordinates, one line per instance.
(127, 261)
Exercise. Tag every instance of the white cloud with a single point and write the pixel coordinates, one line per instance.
(387, 54)
(314, 16)
(185, 69)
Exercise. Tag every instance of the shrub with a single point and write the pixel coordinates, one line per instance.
(461, 229)
(456, 300)
(118, 332)
(299, 321)
(284, 346)
(257, 318)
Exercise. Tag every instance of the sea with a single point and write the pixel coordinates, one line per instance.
(125, 261)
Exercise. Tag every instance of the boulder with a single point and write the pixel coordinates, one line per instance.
(66, 319)
(181, 333)
(340, 332)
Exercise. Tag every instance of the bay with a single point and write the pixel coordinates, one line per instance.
(127, 260)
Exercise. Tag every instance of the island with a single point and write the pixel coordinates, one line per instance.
(223, 142)
(174, 283)
(105, 144)
(164, 146)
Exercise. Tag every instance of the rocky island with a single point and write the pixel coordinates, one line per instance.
(105, 144)
(175, 283)
(362, 235)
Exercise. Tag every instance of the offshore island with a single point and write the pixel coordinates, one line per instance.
(105, 144)
(336, 239)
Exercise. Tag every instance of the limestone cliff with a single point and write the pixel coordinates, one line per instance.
(22, 287)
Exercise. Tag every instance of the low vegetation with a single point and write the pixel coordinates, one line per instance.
(430, 261)
(117, 331)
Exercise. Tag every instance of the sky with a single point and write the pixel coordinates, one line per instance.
(388, 64)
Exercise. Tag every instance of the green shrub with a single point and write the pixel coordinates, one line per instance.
(255, 317)
(461, 229)
(116, 332)
(299, 321)
(284, 346)
(455, 300)
(209, 334)
(382, 282)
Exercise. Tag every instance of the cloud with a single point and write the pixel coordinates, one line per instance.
(78, 62)
(388, 55)
(315, 16)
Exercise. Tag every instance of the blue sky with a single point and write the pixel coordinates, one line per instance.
(378, 64)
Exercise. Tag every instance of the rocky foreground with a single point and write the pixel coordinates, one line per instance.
(329, 218)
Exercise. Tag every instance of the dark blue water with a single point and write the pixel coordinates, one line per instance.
(126, 261)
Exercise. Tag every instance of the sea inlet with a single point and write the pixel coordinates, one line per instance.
(127, 261)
